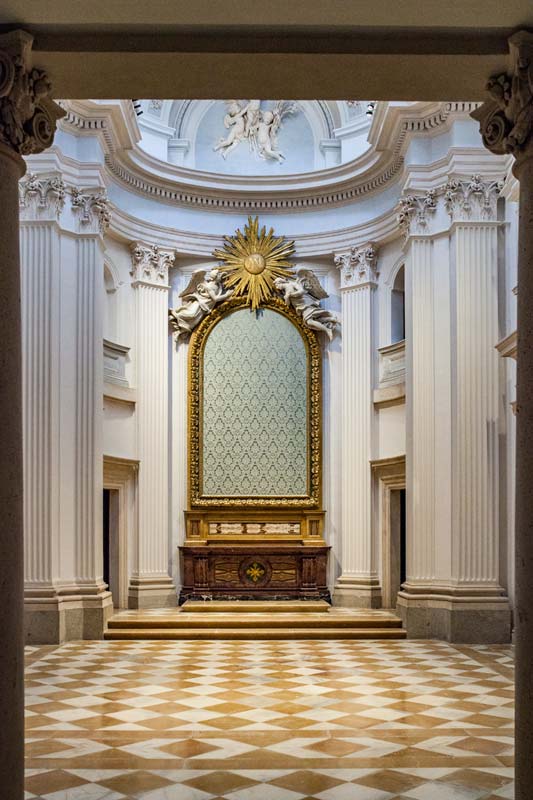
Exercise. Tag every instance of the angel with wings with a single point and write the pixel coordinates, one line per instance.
(303, 292)
(204, 291)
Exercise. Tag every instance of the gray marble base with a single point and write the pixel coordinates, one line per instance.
(57, 622)
(479, 623)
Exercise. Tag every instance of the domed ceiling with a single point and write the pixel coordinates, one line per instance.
(255, 137)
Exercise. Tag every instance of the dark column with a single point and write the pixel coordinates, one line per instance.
(506, 122)
(27, 123)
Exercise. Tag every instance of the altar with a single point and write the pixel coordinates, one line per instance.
(254, 522)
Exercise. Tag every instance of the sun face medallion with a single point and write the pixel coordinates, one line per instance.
(251, 260)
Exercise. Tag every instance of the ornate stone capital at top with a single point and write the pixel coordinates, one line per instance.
(506, 119)
(93, 209)
(150, 264)
(28, 115)
(41, 195)
(472, 199)
(415, 212)
(358, 267)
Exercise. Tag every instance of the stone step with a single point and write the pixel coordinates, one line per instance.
(214, 634)
(257, 621)
(254, 606)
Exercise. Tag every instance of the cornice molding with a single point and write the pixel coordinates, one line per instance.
(375, 169)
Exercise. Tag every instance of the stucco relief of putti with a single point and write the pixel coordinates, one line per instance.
(255, 266)
(247, 121)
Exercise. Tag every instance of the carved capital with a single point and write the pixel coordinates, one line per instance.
(150, 264)
(41, 196)
(28, 115)
(472, 199)
(93, 209)
(415, 212)
(506, 119)
(358, 267)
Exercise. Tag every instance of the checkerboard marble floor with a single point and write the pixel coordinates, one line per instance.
(278, 720)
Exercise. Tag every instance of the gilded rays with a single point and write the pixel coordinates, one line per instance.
(252, 260)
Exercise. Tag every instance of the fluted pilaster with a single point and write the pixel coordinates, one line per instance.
(358, 583)
(62, 289)
(452, 589)
(40, 370)
(151, 584)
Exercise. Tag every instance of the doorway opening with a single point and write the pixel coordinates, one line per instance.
(111, 543)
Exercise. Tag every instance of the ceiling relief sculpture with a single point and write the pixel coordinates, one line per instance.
(254, 266)
(247, 121)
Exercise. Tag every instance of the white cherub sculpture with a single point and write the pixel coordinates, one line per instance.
(303, 292)
(204, 292)
(235, 122)
(265, 136)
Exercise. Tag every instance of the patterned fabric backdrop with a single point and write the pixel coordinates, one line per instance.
(255, 407)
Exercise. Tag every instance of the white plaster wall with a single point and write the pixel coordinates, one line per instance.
(391, 426)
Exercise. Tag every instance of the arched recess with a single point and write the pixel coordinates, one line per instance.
(397, 305)
(110, 304)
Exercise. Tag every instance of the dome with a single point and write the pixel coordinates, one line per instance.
(263, 138)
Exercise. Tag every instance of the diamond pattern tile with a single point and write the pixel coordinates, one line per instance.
(272, 720)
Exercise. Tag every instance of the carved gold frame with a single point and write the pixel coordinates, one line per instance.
(313, 497)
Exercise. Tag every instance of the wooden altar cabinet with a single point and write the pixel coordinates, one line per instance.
(254, 557)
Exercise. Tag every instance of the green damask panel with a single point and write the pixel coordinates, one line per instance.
(254, 437)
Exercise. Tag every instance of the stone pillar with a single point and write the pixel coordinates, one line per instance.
(506, 123)
(150, 584)
(27, 124)
(62, 277)
(421, 400)
(453, 590)
(358, 584)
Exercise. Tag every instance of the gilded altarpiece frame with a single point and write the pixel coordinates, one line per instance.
(312, 498)
(254, 546)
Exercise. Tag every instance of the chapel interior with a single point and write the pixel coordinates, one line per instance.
(266, 456)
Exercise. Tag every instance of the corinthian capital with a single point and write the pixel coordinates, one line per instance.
(28, 115)
(415, 211)
(41, 195)
(506, 119)
(358, 267)
(472, 199)
(150, 264)
(93, 209)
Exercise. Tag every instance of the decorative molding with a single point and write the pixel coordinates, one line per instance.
(358, 267)
(93, 208)
(40, 194)
(508, 347)
(506, 120)
(414, 213)
(391, 364)
(150, 264)
(28, 115)
(473, 199)
(231, 201)
(115, 356)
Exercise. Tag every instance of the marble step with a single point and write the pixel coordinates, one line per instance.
(253, 606)
(179, 621)
(213, 634)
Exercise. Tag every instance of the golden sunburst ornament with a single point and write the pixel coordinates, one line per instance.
(252, 260)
